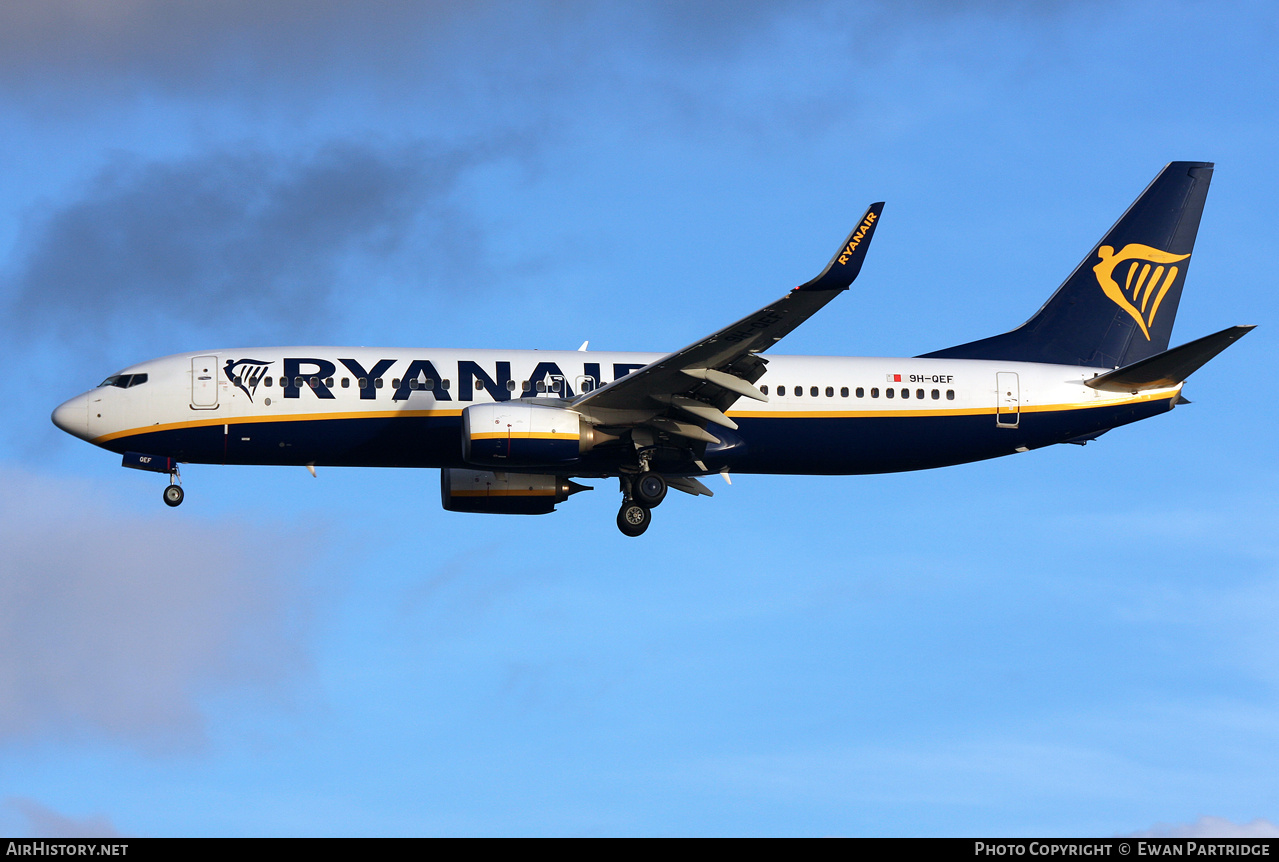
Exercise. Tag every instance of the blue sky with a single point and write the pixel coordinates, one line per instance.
(1077, 641)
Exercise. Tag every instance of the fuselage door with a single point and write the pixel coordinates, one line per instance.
(204, 383)
(1007, 399)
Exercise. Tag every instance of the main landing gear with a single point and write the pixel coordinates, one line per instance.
(173, 494)
(640, 495)
(634, 518)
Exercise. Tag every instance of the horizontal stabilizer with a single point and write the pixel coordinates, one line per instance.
(1170, 367)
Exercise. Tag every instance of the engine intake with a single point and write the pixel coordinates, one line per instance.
(504, 493)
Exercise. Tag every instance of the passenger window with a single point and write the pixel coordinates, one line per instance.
(395, 383)
(413, 384)
(328, 382)
(430, 384)
(813, 391)
(377, 383)
(950, 394)
(297, 382)
(919, 393)
(888, 393)
(363, 383)
(527, 386)
(510, 385)
(444, 383)
(479, 384)
(541, 386)
(267, 383)
(764, 389)
(843, 392)
(799, 391)
(555, 385)
(905, 393)
(861, 393)
(874, 392)
(936, 395)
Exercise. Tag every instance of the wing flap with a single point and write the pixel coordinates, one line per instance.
(689, 485)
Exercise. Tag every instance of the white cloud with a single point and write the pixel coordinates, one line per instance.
(116, 624)
(44, 822)
(1211, 827)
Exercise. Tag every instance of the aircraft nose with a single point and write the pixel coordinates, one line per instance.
(73, 417)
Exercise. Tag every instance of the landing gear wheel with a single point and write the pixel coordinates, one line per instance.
(634, 518)
(173, 495)
(649, 489)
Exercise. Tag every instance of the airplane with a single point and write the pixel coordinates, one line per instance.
(511, 430)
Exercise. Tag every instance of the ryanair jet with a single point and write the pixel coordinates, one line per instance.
(511, 430)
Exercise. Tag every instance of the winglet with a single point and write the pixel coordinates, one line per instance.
(847, 262)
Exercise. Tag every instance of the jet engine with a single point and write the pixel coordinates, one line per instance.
(518, 434)
(504, 493)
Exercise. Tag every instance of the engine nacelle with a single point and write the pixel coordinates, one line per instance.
(503, 493)
(517, 434)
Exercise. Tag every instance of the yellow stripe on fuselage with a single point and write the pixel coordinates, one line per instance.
(1161, 395)
(204, 422)
(510, 492)
(522, 435)
(284, 417)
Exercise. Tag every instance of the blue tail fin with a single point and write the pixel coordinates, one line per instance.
(1119, 304)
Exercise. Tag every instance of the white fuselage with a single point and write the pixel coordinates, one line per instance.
(354, 406)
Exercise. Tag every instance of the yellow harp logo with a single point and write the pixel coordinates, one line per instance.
(1146, 279)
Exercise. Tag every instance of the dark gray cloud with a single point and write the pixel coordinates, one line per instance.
(44, 822)
(115, 626)
(221, 46)
(209, 47)
(254, 237)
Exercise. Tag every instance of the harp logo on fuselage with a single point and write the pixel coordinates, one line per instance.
(1146, 279)
(246, 374)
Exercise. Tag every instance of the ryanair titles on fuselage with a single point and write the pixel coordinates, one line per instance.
(296, 373)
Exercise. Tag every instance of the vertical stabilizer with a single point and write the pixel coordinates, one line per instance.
(1119, 304)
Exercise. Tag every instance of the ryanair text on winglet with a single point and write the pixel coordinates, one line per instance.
(857, 238)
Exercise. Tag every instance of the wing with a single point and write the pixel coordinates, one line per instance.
(704, 379)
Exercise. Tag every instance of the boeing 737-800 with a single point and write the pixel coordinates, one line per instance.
(511, 430)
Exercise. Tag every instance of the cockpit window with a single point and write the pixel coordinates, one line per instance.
(124, 381)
